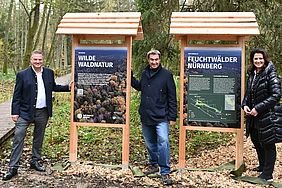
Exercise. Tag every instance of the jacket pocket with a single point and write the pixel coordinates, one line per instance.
(162, 97)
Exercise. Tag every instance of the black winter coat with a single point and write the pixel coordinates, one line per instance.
(158, 96)
(264, 96)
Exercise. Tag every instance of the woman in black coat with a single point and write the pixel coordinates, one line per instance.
(264, 113)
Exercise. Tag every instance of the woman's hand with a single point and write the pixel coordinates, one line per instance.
(247, 110)
(254, 112)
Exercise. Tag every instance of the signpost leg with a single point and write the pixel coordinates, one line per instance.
(239, 149)
(182, 141)
(126, 127)
(240, 132)
(125, 147)
(73, 142)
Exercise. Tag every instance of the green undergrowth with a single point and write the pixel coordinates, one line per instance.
(6, 86)
(104, 145)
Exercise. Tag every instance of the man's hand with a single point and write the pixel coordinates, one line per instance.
(15, 118)
(70, 84)
(172, 123)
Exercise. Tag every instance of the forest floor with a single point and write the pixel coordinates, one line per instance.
(85, 174)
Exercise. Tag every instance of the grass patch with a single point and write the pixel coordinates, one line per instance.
(7, 86)
(104, 145)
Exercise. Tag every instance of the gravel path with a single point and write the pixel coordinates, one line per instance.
(85, 174)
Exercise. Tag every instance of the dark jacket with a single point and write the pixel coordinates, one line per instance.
(25, 92)
(158, 96)
(264, 96)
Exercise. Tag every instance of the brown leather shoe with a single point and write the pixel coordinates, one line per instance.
(11, 173)
(151, 169)
(37, 166)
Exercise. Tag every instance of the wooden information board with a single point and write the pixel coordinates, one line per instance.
(101, 64)
(212, 86)
(212, 75)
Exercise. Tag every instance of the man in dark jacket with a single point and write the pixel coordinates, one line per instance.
(32, 103)
(158, 109)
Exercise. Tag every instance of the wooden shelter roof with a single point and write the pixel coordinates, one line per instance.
(213, 25)
(102, 24)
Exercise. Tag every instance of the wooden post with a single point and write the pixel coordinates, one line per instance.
(126, 127)
(240, 132)
(182, 130)
(73, 126)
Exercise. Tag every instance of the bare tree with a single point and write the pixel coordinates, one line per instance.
(33, 22)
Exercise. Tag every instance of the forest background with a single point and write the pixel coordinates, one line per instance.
(31, 24)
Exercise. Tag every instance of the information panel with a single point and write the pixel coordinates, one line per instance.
(212, 86)
(100, 85)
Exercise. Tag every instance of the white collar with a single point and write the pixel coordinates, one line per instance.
(37, 72)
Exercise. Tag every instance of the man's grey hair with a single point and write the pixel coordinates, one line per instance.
(36, 52)
(154, 52)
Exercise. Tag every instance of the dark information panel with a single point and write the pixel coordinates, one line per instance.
(212, 86)
(100, 84)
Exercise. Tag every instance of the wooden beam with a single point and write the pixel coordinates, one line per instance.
(212, 20)
(73, 127)
(98, 125)
(100, 25)
(213, 129)
(240, 133)
(213, 25)
(182, 129)
(213, 14)
(97, 31)
(100, 37)
(214, 31)
(103, 15)
(96, 20)
(126, 128)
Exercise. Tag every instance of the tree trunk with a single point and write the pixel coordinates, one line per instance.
(6, 41)
(46, 26)
(31, 33)
(40, 26)
(65, 51)
(49, 56)
(59, 52)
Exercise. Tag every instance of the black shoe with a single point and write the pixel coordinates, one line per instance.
(165, 178)
(151, 169)
(11, 173)
(258, 169)
(266, 178)
(38, 167)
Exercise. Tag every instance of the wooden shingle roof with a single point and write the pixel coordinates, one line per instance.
(214, 25)
(104, 23)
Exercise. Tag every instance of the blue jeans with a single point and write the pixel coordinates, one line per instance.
(157, 144)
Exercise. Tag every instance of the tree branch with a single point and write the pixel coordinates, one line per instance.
(25, 9)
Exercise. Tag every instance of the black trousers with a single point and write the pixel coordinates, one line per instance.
(266, 154)
(40, 122)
